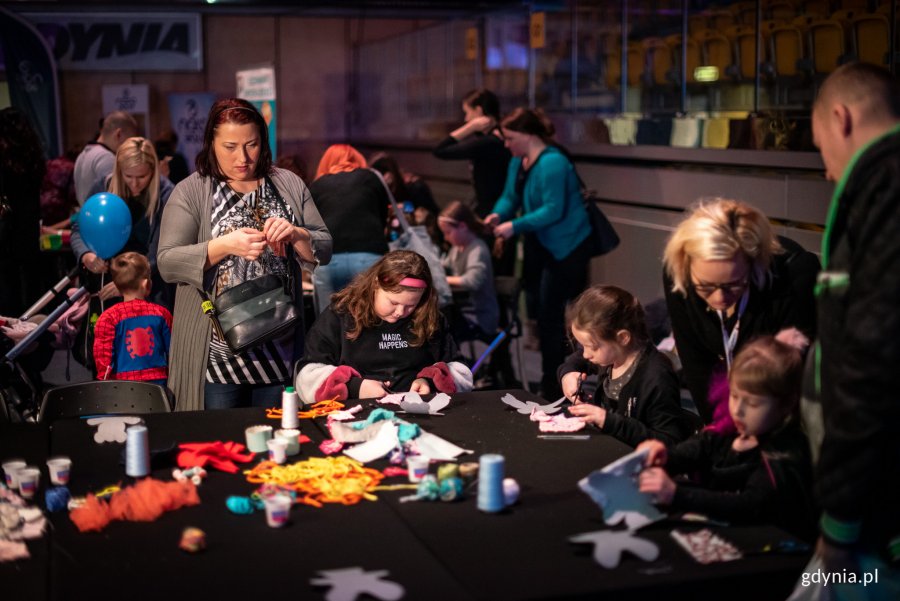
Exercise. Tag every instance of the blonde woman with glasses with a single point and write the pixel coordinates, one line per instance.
(136, 180)
(728, 279)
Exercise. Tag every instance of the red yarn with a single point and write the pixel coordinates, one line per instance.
(143, 502)
(220, 455)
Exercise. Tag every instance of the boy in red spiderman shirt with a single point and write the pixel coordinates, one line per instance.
(131, 339)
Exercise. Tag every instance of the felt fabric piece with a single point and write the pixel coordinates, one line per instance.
(143, 502)
(556, 423)
(384, 442)
(527, 407)
(436, 448)
(331, 446)
(220, 455)
(348, 584)
(112, 429)
(345, 415)
(12, 550)
(609, 545)
(392, 399)
(614, 488)
(439, 373)
(706, 547)
(335, 385)
(413, 403)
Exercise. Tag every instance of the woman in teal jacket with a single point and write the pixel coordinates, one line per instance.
(542, 186)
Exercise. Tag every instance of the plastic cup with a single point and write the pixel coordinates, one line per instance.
(277, 450)
(29, 479)
(417, 467)
(257, 436)
(59, 468)
(11, 469)
(278, 510)
(292, 437)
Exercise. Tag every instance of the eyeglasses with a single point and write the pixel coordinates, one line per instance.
(729, 288)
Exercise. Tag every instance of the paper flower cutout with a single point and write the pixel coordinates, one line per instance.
(112, 429)
(610, 544)
(527, 407)
(348, 584)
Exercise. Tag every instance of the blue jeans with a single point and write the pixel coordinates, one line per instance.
(331, 278)
(230, 396)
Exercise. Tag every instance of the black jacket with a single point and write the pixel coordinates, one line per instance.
(771, 483)
(785, 301)
(649, 405)
(859, 347)
(489, 158)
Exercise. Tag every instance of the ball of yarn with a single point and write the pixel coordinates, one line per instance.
(428, 490)
(240, 505)
(510, 491)
(57, 498)
(193, 540)
(451, 489)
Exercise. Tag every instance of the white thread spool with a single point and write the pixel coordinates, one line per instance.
(290, 402)
(137, 451)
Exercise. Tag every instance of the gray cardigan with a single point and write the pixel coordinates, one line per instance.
(184, 236)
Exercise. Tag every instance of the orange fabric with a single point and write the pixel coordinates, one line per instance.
(339, 158)
(143, 502)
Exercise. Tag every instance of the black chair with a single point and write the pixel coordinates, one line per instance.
(508, 289)
(109, 397)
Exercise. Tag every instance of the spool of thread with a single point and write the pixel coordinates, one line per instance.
(137, 451)
(290, 402)
(490, 483)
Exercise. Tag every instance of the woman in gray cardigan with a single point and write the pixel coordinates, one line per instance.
(230, 222)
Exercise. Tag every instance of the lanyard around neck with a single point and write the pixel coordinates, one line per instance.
(729, 341)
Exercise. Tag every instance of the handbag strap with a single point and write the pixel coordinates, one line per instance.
(401, 217)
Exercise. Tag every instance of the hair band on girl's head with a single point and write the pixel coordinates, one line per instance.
(413, 283)
(449, 220)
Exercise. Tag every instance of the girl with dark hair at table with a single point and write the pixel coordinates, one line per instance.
(382, 333)
(236, 219)
(638, 396)
(762, 472)
(541, 183)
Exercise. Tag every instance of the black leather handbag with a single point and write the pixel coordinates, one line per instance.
(255, 312)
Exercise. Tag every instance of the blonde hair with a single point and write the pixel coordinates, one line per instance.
(717, 229)
(135, 152)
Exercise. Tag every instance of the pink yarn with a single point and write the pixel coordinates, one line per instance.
(722, 423)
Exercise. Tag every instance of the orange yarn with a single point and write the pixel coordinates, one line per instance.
(143, 502)
(320, 409)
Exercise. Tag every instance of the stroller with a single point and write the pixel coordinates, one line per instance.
(28, 343)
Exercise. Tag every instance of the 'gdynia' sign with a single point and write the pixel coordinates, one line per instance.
(123, 41)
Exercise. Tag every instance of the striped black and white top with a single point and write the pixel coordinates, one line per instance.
(270, 363)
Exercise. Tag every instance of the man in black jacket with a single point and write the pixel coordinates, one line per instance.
(856, 125)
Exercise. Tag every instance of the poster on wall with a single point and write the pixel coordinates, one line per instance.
(257, 86)
(138, 41)
(133, 99)
(187, 113)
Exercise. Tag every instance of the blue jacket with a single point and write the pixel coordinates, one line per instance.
(550, 202)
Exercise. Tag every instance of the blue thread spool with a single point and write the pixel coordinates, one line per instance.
(137, 451)
(490, 483)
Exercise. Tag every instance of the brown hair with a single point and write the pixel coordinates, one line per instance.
(458, 212)
(358, 298)
(530, 121)
(129, 270)
(767, 367)
(601, 311)
(240, 112)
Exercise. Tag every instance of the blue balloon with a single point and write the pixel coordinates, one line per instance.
(105, 224)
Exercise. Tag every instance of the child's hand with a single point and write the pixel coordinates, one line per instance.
(657, 454)
(570, 384)
(655, 481)
(109, 291)
(372, 389)
(421, 386)
(590, 414)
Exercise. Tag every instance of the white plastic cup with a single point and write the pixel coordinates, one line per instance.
(11, 470)
(257, 436)
(278, 510)
(292, 437)
(59, 468)
(29, 479)
(417, 466)
(277, 450)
